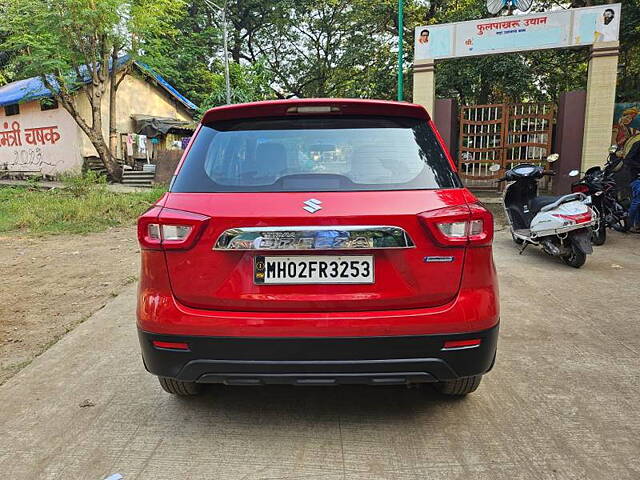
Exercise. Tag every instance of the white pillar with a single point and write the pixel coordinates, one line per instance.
(601, 95)
(424, 84)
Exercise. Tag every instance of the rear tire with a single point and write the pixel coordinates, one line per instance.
(576, 258)
(599, 236)
(459, 386)
(178, 387)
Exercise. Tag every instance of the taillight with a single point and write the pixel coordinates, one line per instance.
(464, 225)
(579, 188)
(574, 219)
(168, 229)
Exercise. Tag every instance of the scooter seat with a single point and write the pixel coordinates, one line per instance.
(536, 204)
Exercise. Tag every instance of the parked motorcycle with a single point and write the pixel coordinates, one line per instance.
(560, 225)
(599, 184)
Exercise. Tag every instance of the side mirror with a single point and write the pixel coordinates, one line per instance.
(574, 173)
(494, 168)
(613, 148)
(553, 157)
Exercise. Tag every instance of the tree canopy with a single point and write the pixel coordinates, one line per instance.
(311, 48)
(83, 49)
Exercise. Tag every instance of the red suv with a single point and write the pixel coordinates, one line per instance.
(317, 242)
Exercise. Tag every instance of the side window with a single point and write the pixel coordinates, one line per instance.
(48, 104)
(227, 158)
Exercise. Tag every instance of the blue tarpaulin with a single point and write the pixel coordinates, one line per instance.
(33, 88)
(169, 88)
(23, 91)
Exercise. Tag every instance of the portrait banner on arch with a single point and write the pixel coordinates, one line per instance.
(516, 33)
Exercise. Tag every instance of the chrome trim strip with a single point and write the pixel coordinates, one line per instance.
(338, 237)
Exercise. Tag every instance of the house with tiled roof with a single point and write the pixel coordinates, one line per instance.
(38, 135)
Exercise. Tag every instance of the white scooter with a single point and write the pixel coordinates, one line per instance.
(560, 225)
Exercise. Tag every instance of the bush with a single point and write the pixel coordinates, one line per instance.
(82, 207)
(79, 185)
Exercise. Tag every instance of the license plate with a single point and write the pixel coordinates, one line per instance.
(313, 269)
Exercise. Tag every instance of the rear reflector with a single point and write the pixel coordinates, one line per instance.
(461, 344)
(171, 345)
(572, 219)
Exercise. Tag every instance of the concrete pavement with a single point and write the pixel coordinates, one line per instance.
(561, 403)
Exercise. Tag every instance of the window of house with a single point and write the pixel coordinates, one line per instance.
(12, 109)
(48, 104)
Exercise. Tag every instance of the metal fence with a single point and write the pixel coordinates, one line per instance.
(503, 134)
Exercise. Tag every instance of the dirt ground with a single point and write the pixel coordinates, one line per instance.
(48, 285)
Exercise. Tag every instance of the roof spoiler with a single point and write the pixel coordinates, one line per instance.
(315, 106)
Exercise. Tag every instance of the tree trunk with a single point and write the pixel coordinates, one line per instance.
(97, 138)
(113, 88)
(236, 46)
(94, 133)
(104, 151)
(108, 159)
(93, 130)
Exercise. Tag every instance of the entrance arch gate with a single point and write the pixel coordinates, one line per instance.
(597, 27)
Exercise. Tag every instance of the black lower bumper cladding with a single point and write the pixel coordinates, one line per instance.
(319, 361)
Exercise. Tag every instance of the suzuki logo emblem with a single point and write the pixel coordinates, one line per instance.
(312, 205)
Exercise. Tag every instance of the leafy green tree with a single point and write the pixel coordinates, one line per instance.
(283, 48)
(248, 84)
(188, 59)
(629, 71)
(192, 59)
(330, 48)
(72, 45)
(5, 54)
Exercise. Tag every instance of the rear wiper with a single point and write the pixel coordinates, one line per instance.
(316, 176)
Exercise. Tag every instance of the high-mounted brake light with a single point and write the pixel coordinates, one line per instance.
(168, 229)
(464, 225)
(314, 109)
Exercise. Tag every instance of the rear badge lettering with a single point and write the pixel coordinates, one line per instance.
(437, 259)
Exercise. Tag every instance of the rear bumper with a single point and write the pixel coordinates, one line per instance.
(319, 361)
(475, 308)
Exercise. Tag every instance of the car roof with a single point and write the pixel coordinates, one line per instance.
(341, 106)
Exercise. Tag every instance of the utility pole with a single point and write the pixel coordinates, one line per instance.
(400, 50)
(227, 81)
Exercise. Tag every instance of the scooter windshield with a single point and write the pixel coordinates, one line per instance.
(524, 171)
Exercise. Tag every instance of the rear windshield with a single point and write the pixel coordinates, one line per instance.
(315, 154)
